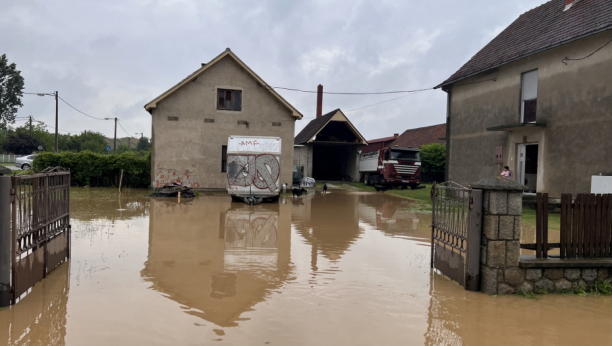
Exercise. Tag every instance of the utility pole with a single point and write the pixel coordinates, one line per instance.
(56, 142)
(115, 145)
(30, 125)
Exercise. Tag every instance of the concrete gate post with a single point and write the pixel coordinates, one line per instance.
(5, 240)
(501, 232)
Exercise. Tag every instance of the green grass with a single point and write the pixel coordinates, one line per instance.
(602, 288)
(529, 219)
(423, 196)
(527, 295)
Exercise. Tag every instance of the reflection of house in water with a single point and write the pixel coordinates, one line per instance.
(392, 216)
(107, 204)
(40, 317)
(218, 258)
(330, 225)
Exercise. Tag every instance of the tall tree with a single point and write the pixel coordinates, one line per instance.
(11, 91)
(21, 144)
(143, 144)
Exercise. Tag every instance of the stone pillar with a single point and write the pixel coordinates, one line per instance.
(501, 233)
(5, 240)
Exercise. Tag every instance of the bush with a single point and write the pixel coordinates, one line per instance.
(433, 157)
(93, 169)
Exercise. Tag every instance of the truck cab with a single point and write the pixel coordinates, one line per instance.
(392, 167)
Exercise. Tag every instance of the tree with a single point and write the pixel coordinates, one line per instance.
(122, 149)
(11, 86)
(143, 144)
(21, 144)
(40, 132)
(433, 158)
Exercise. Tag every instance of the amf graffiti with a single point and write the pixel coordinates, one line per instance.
(165, 176)
(261, 171)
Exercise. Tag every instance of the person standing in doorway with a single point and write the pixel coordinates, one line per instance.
(506, 173)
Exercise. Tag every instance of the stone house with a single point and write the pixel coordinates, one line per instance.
(538, 99)
(191, 123)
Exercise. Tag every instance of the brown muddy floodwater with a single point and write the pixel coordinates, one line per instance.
(336, 269)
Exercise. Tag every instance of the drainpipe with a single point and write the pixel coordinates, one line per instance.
(448, 130)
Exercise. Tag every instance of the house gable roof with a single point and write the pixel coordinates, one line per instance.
(537, 30)
(418, 137)
(316, 125)
(227, 53)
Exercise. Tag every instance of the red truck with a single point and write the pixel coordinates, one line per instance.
(391, 167)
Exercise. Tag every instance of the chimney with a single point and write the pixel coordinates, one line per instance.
(395, 135)
(569, 4)
(319, 101)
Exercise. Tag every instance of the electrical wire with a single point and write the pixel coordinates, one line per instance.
(588, 56)
(376, 104)
(118, 122)
(71, 106)
(352, 93)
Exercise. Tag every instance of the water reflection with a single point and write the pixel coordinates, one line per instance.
(40, 317)
(88, 204)
(393, 216)
(328, 222)
(215, 258)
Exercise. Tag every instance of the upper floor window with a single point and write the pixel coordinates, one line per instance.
(529, 96)
(229, 100)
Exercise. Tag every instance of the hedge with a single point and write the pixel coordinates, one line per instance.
(100, 170)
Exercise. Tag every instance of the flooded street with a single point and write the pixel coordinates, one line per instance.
(345, 268)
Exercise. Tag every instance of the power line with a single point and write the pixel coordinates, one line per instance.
(352, 93)
(376, 104)
(588, 56)
(118, 122)
(71, 106)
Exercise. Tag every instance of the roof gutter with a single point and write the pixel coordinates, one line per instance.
(523, 56)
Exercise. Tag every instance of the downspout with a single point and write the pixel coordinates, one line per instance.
(448, 130)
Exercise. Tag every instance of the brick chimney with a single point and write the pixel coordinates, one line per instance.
(569, 4)
(319, 101)
(395, 135)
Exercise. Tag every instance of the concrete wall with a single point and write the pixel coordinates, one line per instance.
(190, 149)
(575, 100)
(302, 156)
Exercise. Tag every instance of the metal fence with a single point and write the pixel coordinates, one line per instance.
(40, 229)
(455, 239)
(6, 158)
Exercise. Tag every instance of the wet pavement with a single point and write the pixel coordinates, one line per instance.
(346, 268)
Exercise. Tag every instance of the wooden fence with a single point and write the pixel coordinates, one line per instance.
(586, 227)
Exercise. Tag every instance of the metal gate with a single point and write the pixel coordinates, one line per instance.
(40, 227)
(455, 238)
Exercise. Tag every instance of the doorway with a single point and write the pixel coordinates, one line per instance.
(527, 170)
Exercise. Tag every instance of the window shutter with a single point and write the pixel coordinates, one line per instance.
(530, 85)
(237, 100)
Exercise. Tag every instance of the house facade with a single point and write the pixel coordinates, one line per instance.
(538, 98)
(191, 123)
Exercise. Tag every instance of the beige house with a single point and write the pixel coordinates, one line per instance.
(191, 123)
(538, 99)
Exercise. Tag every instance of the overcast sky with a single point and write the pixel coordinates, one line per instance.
(108, 58)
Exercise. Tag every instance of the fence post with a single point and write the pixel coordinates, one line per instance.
(500, 238)
(5, 241)
(472, 281)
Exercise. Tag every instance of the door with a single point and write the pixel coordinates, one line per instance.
(527, 166)
(520, 164)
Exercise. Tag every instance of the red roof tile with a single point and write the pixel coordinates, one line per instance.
(418, 137)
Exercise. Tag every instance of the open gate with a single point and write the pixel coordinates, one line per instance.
(40, 227)
(455, 238)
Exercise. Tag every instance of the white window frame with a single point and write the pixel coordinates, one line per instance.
(523, 92)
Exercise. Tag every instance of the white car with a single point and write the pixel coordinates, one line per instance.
(24, 162)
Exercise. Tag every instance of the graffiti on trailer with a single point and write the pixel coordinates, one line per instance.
(262, 171)
(165, 176)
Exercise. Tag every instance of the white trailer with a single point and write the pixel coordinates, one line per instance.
(368, 162)
(253, 168)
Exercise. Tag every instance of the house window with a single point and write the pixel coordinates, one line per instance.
(229, 100)
(529, 96)
(223, 158)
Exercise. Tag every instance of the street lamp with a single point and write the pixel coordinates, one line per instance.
(115, 141)
(56, 97)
